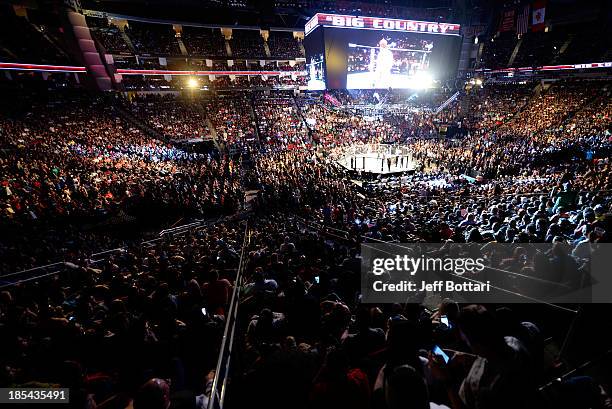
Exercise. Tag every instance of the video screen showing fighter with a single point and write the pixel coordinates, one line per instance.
(387, 63)
(316, 73)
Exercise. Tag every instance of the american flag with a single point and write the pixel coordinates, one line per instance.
(522, 21)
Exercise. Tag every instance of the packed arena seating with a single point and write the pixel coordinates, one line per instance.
(152, 231)
(280, 123)
(280, 343)
(153, 39)
(125, 308)
(203, 42)
(232, 117)
(247, 43)
(334, 128)
(283, 45)
(496, 105)
(171, 116)
(81, 159)
(548, 111)
(562, 44)
(109, 36)
(99, 163)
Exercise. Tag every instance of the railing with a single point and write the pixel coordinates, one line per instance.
(385, 109)
(170, 232)
(34, 273)
(573, 315)
(30, 274)
(219, 385)
(446, 103)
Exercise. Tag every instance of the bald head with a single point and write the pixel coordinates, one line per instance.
(154, 394)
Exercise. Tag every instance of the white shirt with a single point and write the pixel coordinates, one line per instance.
(436, 406)
(384, 60)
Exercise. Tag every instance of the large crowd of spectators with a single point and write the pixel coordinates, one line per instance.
(153, 39)
(534, 167)
(203, 42)
(283, 45)
(231, 115)
(318, 343)
(247, 43)
(109, 35)
(496, 105)
(154, 310)
(560, 44)
(172, 117)
(550, 109)
(76, 160)
(280, 122)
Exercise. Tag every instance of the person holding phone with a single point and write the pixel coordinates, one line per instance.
(439, 352)
(499, 376)
(446, 314)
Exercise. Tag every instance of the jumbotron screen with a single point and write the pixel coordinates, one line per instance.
(349, 52)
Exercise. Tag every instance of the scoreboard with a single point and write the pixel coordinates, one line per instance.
(353, 52)
(380, 23)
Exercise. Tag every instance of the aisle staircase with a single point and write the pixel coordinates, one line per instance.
(515, 52)
(128, 41)
(182, 47)
(53, 41)
(563, 48)
(254, 116)
(204, 114)
(267, 49)
(178, 32)
(137, 122)
(303, 118)
(213, 135)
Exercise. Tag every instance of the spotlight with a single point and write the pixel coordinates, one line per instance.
(193, 83)
(422, 80)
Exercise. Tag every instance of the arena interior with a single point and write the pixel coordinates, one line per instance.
(188, 189)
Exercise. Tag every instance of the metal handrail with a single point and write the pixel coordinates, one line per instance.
(25, 280)
(33, 269)
(100, 256)
(574, 370)
(217, 397)
(512, 273)
(396, 244)
(182, 227)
